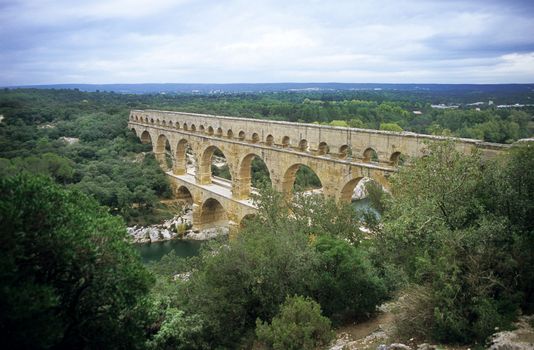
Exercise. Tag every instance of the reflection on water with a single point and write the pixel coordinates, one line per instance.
(154, 251)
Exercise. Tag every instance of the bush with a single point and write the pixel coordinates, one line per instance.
(348, 287)
(299, 325)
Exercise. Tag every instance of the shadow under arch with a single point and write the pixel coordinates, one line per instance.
(145, 137)
(212, 214)
(184, 195)
(205, 164)
(180, 157)
(253, 172)
(300, 178)
(163, 153)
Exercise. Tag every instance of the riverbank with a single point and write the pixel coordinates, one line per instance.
(179, 227)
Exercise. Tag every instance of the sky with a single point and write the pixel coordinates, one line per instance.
(261, 41)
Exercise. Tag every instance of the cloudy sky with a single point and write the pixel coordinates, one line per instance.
(228, 41)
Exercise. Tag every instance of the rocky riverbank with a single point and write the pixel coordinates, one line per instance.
(179, 227)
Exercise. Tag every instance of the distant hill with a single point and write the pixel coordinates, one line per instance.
(284, 87)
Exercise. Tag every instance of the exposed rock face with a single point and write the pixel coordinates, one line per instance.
(520, 339)
(177, 227)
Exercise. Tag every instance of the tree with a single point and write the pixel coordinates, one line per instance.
(448, 230)
(69, 277)
(298, 326)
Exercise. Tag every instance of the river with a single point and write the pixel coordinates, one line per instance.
(155, 251)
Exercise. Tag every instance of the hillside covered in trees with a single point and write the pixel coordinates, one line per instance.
(455, 237)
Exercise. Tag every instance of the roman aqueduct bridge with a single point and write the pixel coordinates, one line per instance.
(339, 156)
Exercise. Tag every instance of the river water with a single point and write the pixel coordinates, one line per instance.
(155, 251)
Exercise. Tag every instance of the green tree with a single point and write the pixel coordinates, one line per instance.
(298, 326)
(69, 277)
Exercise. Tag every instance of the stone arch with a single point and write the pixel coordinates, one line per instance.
(210, 130)
(186, 128)
(201, 128)
(170, 123)
(370, 155)
(255, 138)
(323, 149)
(180, 157)
(184, 195)
(246, 218)
(241, 135)
(348, 189)
(162, 151)
(344, 152)
(230, 134)
(204, 164)
(396, 159)
(136, 118)
(164, 123)
(219, 132)
(151, 121)
(193, 127)
(269, 140)
(243, 183)
(158, 122)
(213, 214)
(145, 137)
(303, 145)
(290, 175)
(146, 120)
(286, 141)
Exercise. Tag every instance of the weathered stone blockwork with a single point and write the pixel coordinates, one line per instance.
(341, 157)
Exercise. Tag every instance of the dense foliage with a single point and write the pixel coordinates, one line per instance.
(69, 278)
(456, 236)
(298, 326)
(461, 228)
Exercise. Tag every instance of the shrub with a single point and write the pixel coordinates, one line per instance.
(299, 325)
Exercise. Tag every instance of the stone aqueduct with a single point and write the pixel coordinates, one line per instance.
(340, 157)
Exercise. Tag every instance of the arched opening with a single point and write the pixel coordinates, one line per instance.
(241, 135)
(145, 137)
(136, 118)
(269, 141)
(247, 219)
(323, 149)
(182, 158)
(344, 152)
(164, 123)
(303, 145)
(230, 134)
(285, 141)
(219, 132)
(397, 159)
(364, 194)
(253, 173)
(146, 120)
(370, 155)
(163, 153)
(255, 138)
(184, 196)
(193, 127)
(186, 127)
(213, 214)
(151, 121)
(177, 125)
(210, 131)
(170, 124)
(213, 163)
(301, 178)
(201, 128)
(158, 122)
